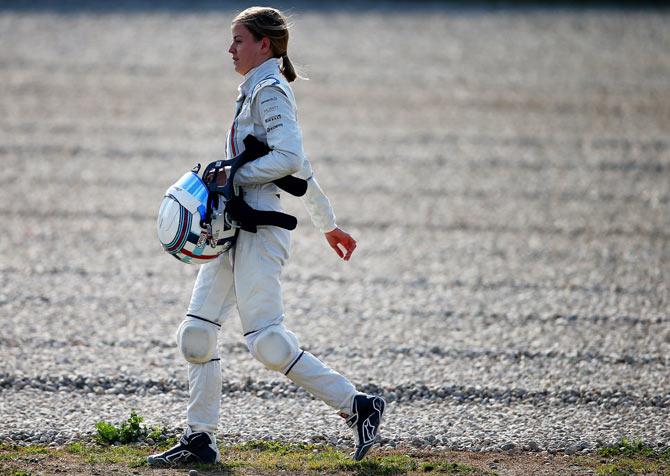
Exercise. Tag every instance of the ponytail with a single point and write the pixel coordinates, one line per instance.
(287, 69)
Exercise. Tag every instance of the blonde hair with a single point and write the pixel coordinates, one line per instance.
(270, 23)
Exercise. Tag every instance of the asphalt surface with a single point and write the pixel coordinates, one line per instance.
(505, 173)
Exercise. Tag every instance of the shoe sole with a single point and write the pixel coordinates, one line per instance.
(158, 463)
(163, 463)
(360, 453)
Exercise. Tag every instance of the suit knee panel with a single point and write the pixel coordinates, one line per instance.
(197, 340)
(275, 347)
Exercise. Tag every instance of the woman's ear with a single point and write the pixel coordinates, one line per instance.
(265, 44)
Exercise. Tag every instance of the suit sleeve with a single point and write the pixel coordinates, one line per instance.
(316, 202)
(274, 111)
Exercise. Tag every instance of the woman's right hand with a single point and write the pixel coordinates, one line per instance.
(337, 238)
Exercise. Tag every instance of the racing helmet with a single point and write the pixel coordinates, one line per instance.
(192, 225)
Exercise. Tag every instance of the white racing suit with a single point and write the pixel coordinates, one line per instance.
(248, 277)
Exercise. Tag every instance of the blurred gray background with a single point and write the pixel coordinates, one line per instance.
(505, 170)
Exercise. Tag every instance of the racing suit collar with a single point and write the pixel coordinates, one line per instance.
(269, 66)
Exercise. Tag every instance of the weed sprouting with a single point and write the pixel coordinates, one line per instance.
(130, 431)
(107, 433)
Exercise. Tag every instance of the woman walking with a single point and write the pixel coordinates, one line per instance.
(248, 276)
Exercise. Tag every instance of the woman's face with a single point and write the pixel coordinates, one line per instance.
(247, 52)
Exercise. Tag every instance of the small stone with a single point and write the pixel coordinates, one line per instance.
(193, 472)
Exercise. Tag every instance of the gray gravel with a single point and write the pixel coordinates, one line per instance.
(508, 190)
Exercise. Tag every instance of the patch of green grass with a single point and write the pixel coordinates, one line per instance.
(19, 455)
(14, 452)
(627, 447)
(274, 447)
(628, 466)
(267, 457)
(34, 450)
(76, 448)
(628, 457)
(133, 456)
(446, 467)
(384, 464)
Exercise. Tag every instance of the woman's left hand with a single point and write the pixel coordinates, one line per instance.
(337, 238)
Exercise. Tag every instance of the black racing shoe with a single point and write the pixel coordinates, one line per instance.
(198, 447)
(365, 421)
